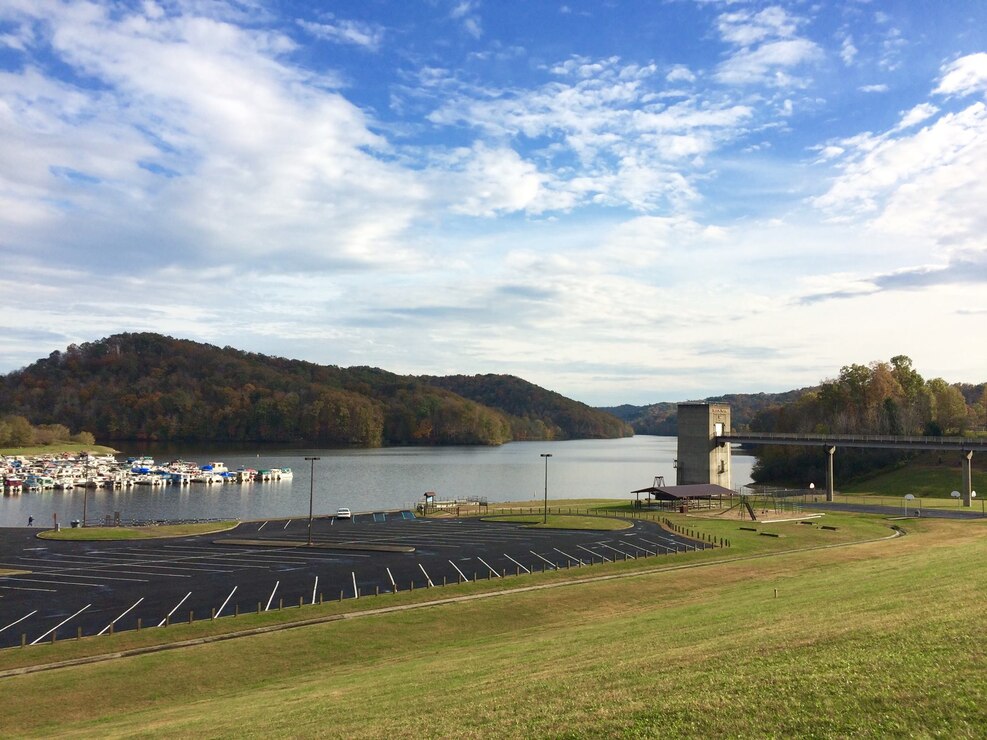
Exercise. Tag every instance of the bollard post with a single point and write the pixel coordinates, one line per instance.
(412, 588)
(236, 610)
(23, 639)
(300, 602)
(168, 620)
(212, 613)
(78, 633)
(340, 594)
(281, 603)
(320, 597)
(258, 607)
(54, 635)
(443, 580)
(191, 616)
(376, 590)
(139, 624)
(111, 629)
(518, 570)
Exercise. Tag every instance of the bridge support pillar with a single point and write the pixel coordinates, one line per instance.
(830, 488)
(967, 477)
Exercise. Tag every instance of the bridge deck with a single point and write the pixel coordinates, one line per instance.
(962, 444)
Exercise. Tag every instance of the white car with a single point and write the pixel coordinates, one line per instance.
(344, 514)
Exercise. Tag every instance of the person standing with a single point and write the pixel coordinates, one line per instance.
(30, 521)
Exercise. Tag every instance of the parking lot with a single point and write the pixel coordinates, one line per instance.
(261, 565)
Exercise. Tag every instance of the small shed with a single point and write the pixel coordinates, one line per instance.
(696, 495)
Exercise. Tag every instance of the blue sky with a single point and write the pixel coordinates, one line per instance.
(621, 201)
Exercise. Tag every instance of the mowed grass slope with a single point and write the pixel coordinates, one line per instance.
(872, 640)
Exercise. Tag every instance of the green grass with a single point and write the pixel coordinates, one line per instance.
(57, 448)
(562, 521)
(923, 481)
(135, 533)
(871, 640)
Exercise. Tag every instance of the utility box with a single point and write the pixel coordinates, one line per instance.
(701, 457)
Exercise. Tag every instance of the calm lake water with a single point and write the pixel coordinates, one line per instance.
(366, 480)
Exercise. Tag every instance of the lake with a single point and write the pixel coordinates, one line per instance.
(365, 480)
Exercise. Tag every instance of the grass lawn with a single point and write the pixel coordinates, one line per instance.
(922, 481)
(135, 533)
(563, 521)
(870, 640)
(55, 449)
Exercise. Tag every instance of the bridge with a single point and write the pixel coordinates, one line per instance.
(965, 446)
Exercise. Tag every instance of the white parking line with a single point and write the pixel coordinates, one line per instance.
(393, 584)
(22, 579)
(261, 526)
(356, 591)
(46, 590)
(427, 578)
(459, 571)
(35, 642)
(18, 621)
(315, 586)
(488, 566)
(636, 547)
(570, 557)
(267, 608)
(161, 623)
(516, 563)
(554, 566)
(625, 554)
(286, 525)
(107, 627)
(601, 555)
(218, 611)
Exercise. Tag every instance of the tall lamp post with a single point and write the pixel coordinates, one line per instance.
(546, 455)
(311, 496)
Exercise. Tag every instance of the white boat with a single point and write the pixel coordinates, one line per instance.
(286, 474)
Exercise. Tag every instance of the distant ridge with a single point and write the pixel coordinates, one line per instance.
(145, 386)
(662, 419)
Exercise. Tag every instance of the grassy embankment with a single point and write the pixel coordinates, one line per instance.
(922, 481)
(867, 640)
(562, 521)
(135, 533)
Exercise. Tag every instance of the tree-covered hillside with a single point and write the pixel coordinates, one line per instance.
(536, 413)
(880, 398)
(151, 387)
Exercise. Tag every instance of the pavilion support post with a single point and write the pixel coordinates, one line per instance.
(830, 489)
(968, 477)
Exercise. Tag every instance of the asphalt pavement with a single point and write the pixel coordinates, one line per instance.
(260, 565)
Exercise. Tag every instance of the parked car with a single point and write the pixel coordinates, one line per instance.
(344, 514)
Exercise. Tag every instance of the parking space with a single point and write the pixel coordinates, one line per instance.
(96, 586)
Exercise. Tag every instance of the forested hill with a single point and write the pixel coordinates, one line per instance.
(661, 418)
(153, 387)
(543, 414)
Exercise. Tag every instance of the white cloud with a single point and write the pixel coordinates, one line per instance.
(877, 88)
(966, 75)
(197, 122)
(366, 35)
(769, 63)
(848, 52)
(769, 48)
(631, 149)
(918, 114)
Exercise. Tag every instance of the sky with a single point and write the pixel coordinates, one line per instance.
(625, 201)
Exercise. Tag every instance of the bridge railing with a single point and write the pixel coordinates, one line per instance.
(973, 443)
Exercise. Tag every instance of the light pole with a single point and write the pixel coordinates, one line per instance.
(546, 455)
(311, 496)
